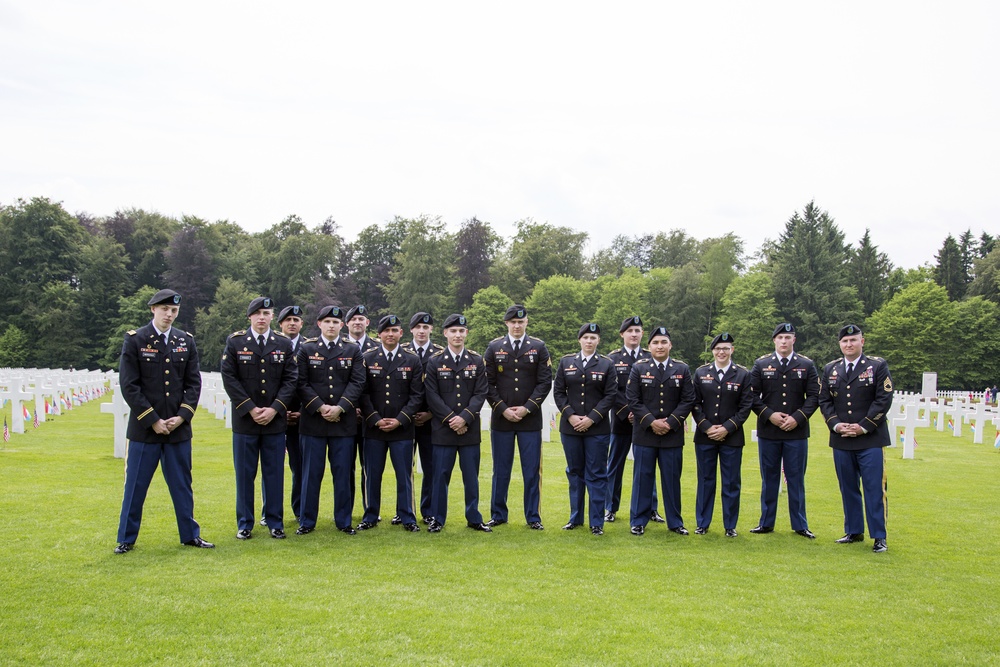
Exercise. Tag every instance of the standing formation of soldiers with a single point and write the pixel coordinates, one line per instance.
(344, 397)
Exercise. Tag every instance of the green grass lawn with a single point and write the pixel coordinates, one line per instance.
(514, 597)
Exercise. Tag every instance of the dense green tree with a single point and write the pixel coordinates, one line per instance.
(15, 348)
(673, 249)
(969, 250)
(986, 244)
(869, 272)
(622, 297)
(557, 308)
(190, 269)
(103, 273)
(538, 251)
(685, 313)
(39, 245)
(421, 275)
(987, 280)
(750, 314)
(906, 331)
(626, 252)
(133, 312)
(948, 271)
(485, 317)
(228, 313)
(476, 247)
(976, 353)
(372, 256)
(295, 258)
(721, 259)
(55, 344)
(811, 287)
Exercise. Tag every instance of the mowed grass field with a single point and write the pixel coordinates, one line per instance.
(516, 597)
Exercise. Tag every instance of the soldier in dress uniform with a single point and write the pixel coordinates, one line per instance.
(622, 360)
(455, 391)
(722, 405)
(394, 390)
(259, 374)
(421, 327)
(785, 387)
(660, 395)
(855, 395)
(585, 388)
(290, 321)
(519, 375)
(161, 382)
(331, 379)
(357, 323)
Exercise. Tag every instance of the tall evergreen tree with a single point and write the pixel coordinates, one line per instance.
(869, 271)
(969, 249)
(476, 246)
(811, 287)
(372, 256)
(986, 244)
(485, 317)
(948, 272)
(190, 269)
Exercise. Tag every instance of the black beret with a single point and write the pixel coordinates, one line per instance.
(357, 310)
(634, 321)
(784, 327)
(388, 321)
(517, 310)
(167, 296)
(658, 331)
(455, 320)
(722, 338)
(850, 330)
(330, 311)
(259, 303)
(289, 310)
(589, 327)
(421, 318)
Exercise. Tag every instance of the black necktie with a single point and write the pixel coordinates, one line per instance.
(421, 352)
(260, 342)
(517, 346)
(661, 366)
(389, 357)
(784, 365)
(633, 355)
(850, 367)
(721, 374)
(166, 339)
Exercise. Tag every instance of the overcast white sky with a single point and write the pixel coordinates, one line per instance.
(605, 117)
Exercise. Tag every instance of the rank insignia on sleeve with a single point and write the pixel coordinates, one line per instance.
(887, 385)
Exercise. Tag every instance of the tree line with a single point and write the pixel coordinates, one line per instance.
(71, 285)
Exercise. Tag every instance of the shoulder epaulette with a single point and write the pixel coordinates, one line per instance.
(435, 346)
(740, 366)
(131, 332)
(438, 353)
(802, 356)
(569, 355)
(189, 334)
(237, 333)
(311, 340)
(281, 333)
(764, 356)
(496, 339)
(875, 358)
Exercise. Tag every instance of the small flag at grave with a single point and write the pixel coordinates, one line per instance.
(951, 424)
(996, 440)
(24, 411)
(6, 431)
(48, 407)
(34, 422)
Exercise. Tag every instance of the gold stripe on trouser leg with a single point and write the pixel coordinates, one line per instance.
(885, 494)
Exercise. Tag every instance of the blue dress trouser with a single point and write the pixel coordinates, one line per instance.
(444, 463)
(587, 472)
(401, 454)
(621, 443)
(142, 460)
(857, 470)
(269, 451)
(729, 461)
(670, 460)
(794, 454)
(529, 445)
(315, 451)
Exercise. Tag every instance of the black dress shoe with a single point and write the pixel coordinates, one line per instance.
(700, 530)
(680, 530)
(759, 530)
(396, 520)
(277, 533)
(243, 534)
(536, 525)
(434, 526)
(637, 530)
(596, 530)
(571, 525)
(349, 530)
(656, 518)
(609, 517)
(482, 527)
(805, 532)
(493, 523)
(879, 547)
(302, 530)
(731, 532)
(425, 519)
(850, 538)
(366, 525)
(200, 543)
(263, 521)
(411, 527)
(124, 547)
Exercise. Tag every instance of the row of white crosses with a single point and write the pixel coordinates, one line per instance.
(21, 385)
(910, 411)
